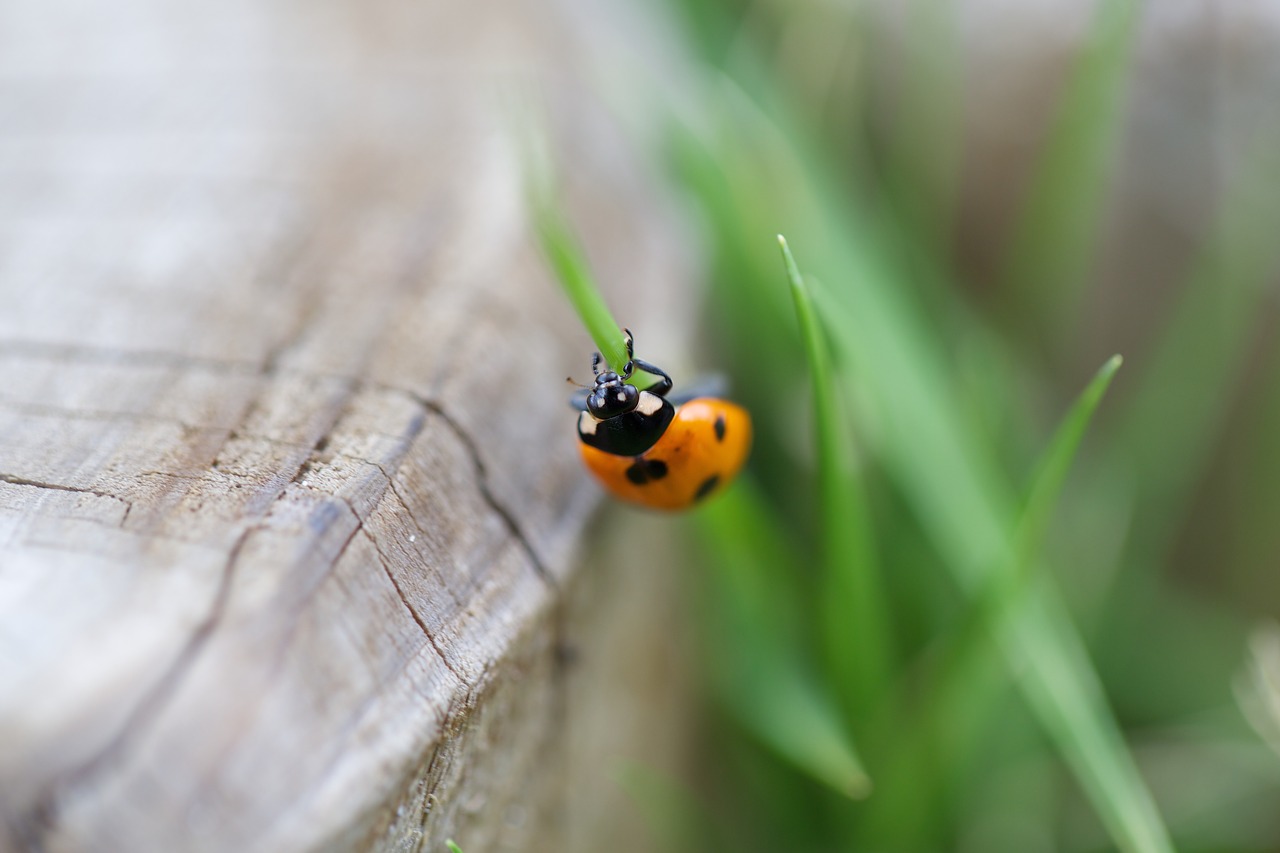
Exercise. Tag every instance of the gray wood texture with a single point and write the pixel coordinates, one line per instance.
(290, 508)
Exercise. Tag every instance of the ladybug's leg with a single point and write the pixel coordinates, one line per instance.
(595, 364)
(630, 366)
(663, 385)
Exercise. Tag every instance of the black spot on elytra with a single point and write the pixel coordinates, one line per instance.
(644, 470)
(719, 427)
(708, 486)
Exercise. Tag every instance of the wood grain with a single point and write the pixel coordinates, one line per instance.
(289, 503)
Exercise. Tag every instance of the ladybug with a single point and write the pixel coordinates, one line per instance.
(648, 449)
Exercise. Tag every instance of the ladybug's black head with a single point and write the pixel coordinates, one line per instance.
(612, 396)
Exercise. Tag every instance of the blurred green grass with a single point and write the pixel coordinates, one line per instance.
(943, 609)
(1010, 670)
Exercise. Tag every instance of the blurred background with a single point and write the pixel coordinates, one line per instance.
(914, 639)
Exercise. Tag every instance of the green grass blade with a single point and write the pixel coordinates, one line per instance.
(1005, 588)
(952, 481)
(1069, 700)
(569, 264)
(565, 255)
(759, 668)
(453, 848)
(1046, 484)
(851, 600)
(794, 717)
(950, 714)
(751, 557)
(1054, 237)
(1038, 640)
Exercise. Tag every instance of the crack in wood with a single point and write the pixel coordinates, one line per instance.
(507, 517)
(43, 812)
(15, 480)
(307, 286)
(42, 815)
(459, 702)
(482, 483)
(270, 367)
(435, 773)
(29, 828)
(413, 611)
(482, 477)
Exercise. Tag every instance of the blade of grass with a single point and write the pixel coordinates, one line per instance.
(950, 478)
(851, 601)
(570, 266)
(1054, 236)
(571, 270)
(940, 737)
(794, 717)
(759, 668)
(564, 252)
(1046, 486)
(924, 449)
(453, 848)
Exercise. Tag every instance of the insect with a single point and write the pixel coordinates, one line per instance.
(657, 451)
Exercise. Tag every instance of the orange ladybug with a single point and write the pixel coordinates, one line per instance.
(647, 450)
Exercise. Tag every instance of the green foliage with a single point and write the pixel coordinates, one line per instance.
(932, 618)
(927, 590)
(759, 666)
(855, 642)
(951, 477)
(563, 251)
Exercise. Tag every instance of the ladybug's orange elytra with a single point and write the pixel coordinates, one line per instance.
(699, 453)
(646, 450)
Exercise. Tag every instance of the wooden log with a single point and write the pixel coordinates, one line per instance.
(289, 500)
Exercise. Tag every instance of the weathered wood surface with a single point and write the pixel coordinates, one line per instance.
(289, 502)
